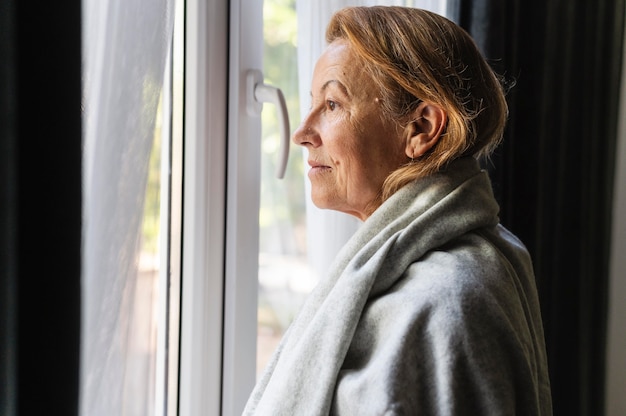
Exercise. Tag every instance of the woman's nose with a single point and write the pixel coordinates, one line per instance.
(305, 134)
(298, 135)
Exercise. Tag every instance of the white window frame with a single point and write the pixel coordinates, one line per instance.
(206, 66)
(219, 281)
(242, 218)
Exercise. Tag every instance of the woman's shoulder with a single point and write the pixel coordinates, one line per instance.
(475, 278)
(467, 266)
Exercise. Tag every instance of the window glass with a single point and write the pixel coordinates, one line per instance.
(284, 275)
(126, 44)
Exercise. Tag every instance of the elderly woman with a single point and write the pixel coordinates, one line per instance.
(431, 308)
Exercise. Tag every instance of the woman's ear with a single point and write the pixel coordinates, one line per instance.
(427, 125)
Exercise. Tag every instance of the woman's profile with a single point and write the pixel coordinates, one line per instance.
(431, 307)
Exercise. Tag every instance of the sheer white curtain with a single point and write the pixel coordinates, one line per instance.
(126, 44)
(328, 231)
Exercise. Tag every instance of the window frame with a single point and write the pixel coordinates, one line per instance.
(220, 215)
(243, 199)
(205, 118)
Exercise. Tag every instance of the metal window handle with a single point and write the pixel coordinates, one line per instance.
(259, 93)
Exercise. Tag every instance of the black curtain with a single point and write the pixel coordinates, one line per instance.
(40, 206)
(553, 174)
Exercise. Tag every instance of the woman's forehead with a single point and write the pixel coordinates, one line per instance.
(337, 67)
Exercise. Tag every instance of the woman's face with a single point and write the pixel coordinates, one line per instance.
(352, 147)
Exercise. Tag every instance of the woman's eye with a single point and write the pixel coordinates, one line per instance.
(331, 105)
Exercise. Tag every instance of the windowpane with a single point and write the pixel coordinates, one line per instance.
(284, 277)
(126, 142)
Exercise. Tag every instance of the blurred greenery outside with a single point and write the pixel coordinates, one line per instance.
(152, 202)
(282, 210)
(284, 278)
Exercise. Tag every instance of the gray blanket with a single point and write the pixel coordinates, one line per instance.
(430, 309)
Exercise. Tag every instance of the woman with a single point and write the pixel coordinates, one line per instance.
(431, 308)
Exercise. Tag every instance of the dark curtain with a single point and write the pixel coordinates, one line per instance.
(553, 174)
(40, 206)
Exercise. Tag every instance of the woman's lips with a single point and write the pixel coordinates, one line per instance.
(317, 168)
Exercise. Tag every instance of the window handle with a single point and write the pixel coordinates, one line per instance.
(259, 93)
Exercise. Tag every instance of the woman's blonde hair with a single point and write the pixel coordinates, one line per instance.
(417, 56)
